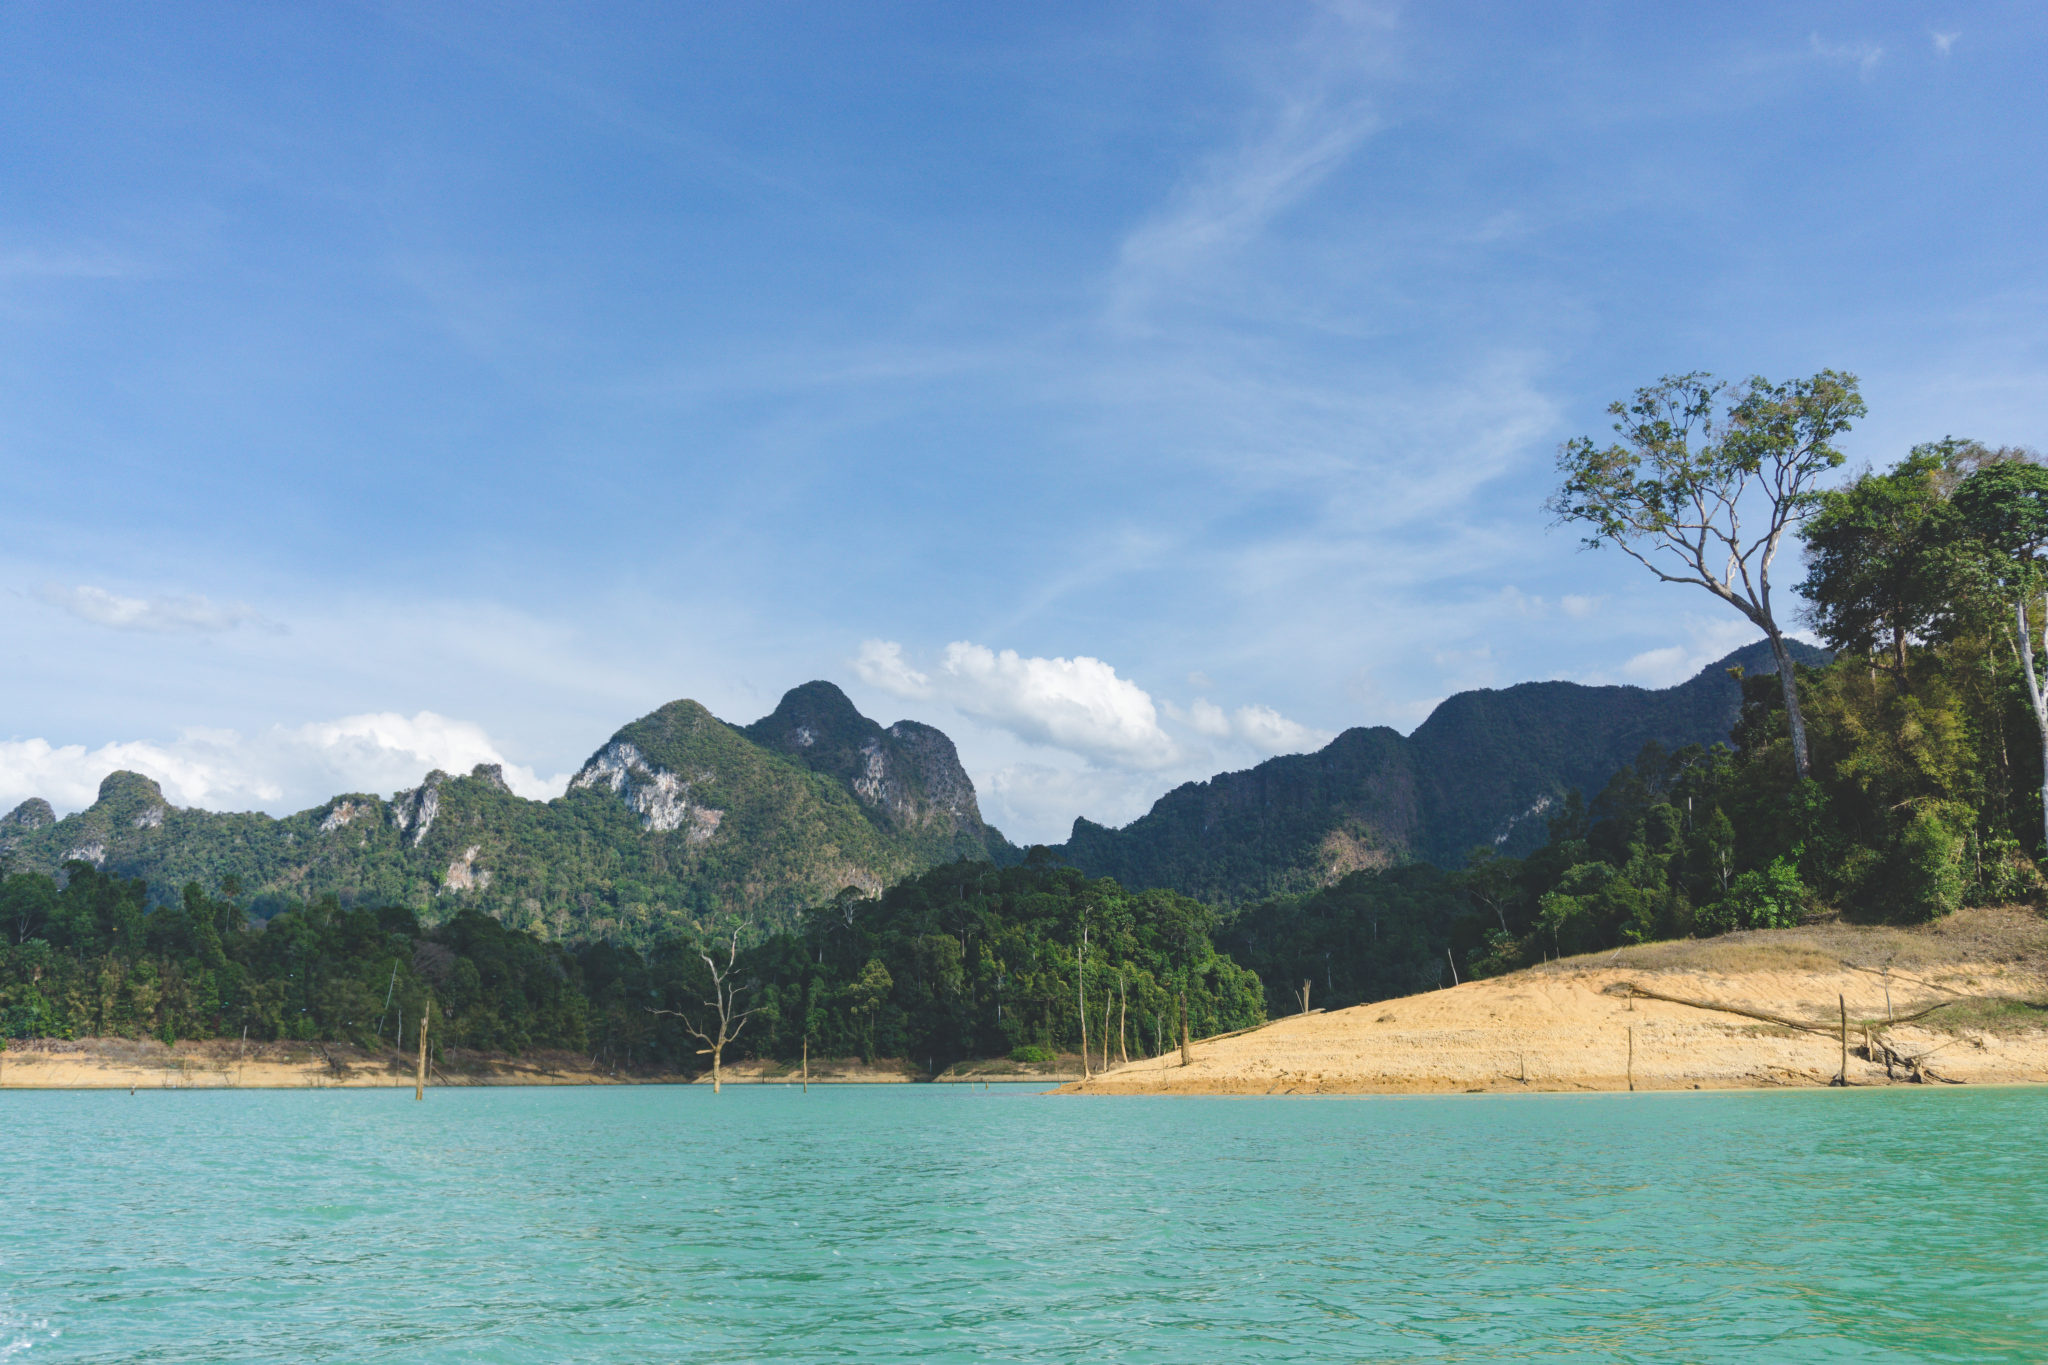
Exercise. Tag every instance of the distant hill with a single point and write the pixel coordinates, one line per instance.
(680, 819)
(677, 819)
(1487, 767)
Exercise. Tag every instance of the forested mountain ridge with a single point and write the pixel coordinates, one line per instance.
(678, 821)
(1485, 768)
(681, 820)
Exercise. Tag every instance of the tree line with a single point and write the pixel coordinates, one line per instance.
(964, 961)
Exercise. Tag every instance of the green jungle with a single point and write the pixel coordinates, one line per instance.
(1895, 783)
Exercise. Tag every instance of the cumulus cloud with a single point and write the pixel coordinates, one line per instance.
(1100, 744)
(280, 770)
(1204, 717)
(1077, 704)
(1673, 664)
(1270, 732)
(1259, 728)
(172, 615)
(1578, 605)
(881, 664)
(1037, 802)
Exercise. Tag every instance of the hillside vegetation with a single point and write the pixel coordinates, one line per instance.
(678, 822)
(1486, 768)
(964, 961)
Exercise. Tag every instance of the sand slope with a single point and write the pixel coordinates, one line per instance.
(1568, 1025)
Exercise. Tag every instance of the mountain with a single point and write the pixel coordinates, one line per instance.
(675, 821)
(681, 819)
(1487, 767)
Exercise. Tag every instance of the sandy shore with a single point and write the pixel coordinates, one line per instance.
(1591, 1023)
(121, 1063)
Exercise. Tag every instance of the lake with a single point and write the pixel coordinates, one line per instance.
(940, 1223)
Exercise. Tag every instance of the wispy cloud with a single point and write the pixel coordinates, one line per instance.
(22, 263)
(1233, 199)
(1944, 42)
(169, 615)
(1864, 56)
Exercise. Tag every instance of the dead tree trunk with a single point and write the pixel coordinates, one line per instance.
(1187, 1055)
(1843, 1078)
(726, 1019)
(1081, 1000)
(1106, 1003)
(419, 1083)
(1123, 1011)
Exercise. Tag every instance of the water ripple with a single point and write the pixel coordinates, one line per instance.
(938, 1224)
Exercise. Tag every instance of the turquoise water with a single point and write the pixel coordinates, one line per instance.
(929, 1223)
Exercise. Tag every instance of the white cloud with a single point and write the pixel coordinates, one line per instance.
(1674, 664)
(1037, 803)
(1272, 733)
(1077, 704)
(173, 615)
(881, 664)
(280, 770)
(1578, 605)
(1203, 716)
(1259, 728)
(1943, 42)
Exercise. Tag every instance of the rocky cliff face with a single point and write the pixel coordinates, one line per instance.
(33, 813)
(659, 797)
(907, 777)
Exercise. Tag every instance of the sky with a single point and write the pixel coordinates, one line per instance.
(1133, 391)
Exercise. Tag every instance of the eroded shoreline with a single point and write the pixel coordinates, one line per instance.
(1960, 1002)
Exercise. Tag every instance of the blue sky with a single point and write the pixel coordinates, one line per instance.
(1133, 391)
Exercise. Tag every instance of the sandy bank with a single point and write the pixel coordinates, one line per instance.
(119, 1063)
(1572, 1025)
(900, 1071)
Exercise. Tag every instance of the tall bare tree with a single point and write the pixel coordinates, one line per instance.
(726, 1019)
(1696, 456)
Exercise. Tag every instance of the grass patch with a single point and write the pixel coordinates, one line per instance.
(1992, 1014)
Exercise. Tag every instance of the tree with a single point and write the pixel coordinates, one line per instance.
(1695, 453)
(868, 991)
(2004, 506)
(1878, 556)
(723, 1003)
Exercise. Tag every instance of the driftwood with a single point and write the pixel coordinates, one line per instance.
(1779, 1019)
(1889, 975)
(1914, 1064)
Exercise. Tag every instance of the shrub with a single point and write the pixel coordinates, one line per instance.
(1030, 1052)
(1928, 877)
(1769, 898)
(2007, 875)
